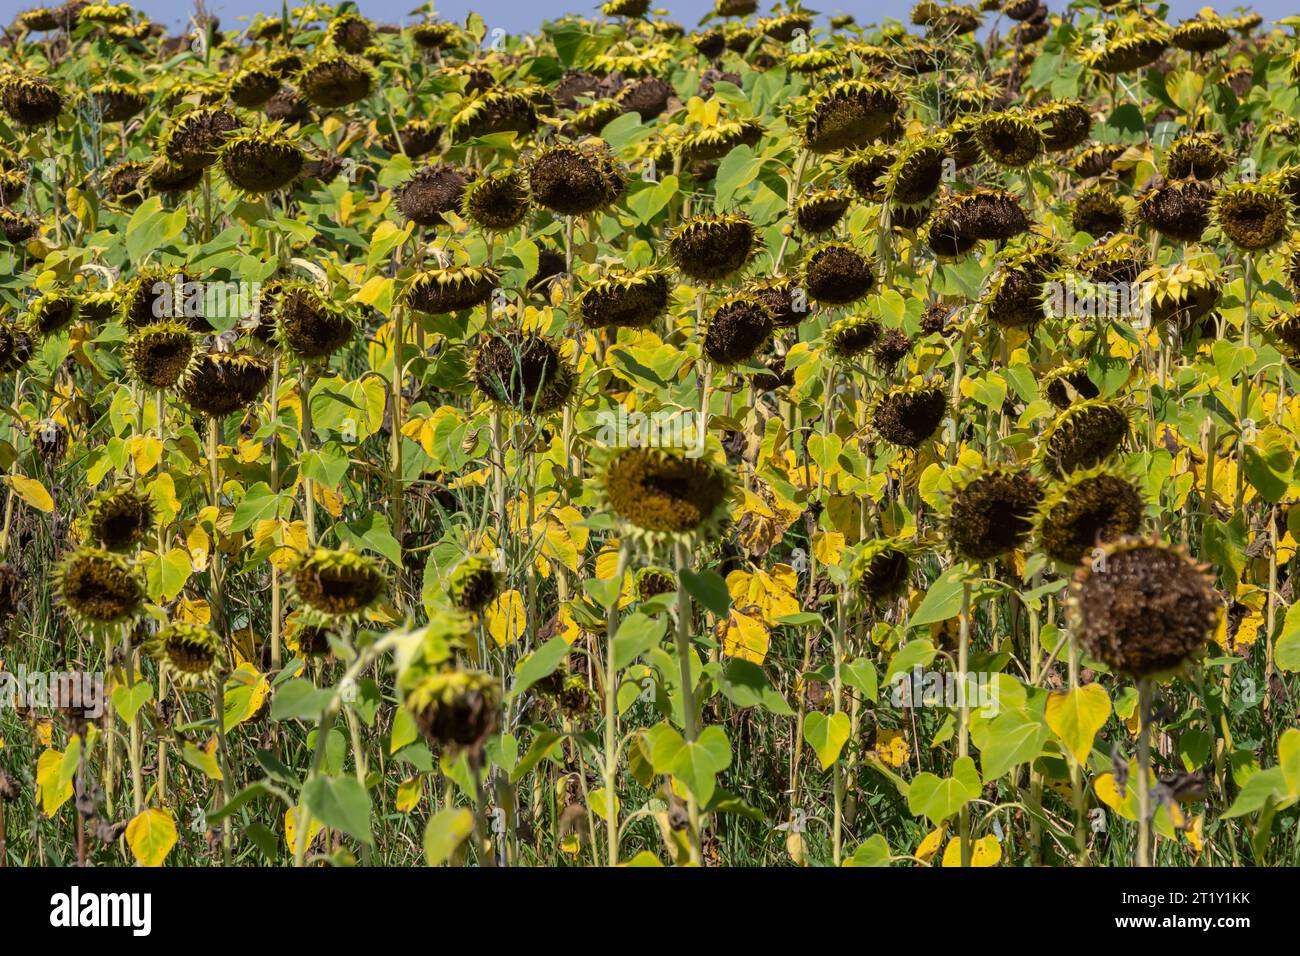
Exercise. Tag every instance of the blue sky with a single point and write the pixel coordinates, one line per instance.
(518, 16)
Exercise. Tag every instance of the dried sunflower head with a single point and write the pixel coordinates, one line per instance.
(261, 160)
(496, 110)
(436, 35)
(29, 99)
(915, 176)
(991, 511)
(880, 571)
(713, 248)
(849, 114)
(158, 355)
(17, 227)
(52, 312)
(1253, 215)
(474, 584)
(349, 32)
(99, 589)
(1068, 383)
(624, 299)
(1097, 159)
(336, 586)
(456, 709)
(1143, 607)
(432, 191)
(1123, 54)
(253, 87)
(650, 582)
(191, 141)
(1098, 212)
(837, 274)
(737, 330)
(865, 170)
(784, 300)
(220, 383)
(660, 495)
(1201, 34)
(1065, 124)
(334, 81)
(119, 519)
(1083, 436)
(575, 179)
(1178, 208)
(523, 371)
(1196, 156)
(852, 336)
(117, 102)
(308, 325)
(908, 415)
(1089, 509)
(451, 289)
(190, 654)
(1009, 139)
(821, 211)
(498, 202)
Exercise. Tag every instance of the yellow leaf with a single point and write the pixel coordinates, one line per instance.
(199, 545)
(146, 451)
(1075, 716)
(984, 852)
(828, 547)
(744, 637)
(891, 747)
(193, 611)
(291, 828)
(151, 836)
(505, 618)
(330, 500)
(52, 791)
(599, 804)
(928, 847)
(408, 794)
(31, 491)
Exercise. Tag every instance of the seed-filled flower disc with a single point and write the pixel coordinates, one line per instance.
(335, 81)
(261, 160)
(712, 248)
(1088, 510)
(432, 191)
(1143, 607)
(574, 180)
(624, 300)
(474, 584)
(907, 415)
(30, 100)
(456, 709)
(98, 588)
(661, 495)
(849, 114)
(190, 654)
(219, 383)
(1084, 435)
(837, 274)
(337, 586)
(991, 512)
(881, 570)
(853, 336)
(738, 329)
(524, 372)
(119, 519)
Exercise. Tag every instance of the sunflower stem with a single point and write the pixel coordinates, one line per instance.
(689, 717)
(611, 710)
(1143, 773)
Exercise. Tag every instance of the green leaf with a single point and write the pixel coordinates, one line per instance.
(827, 735)
(444, 834)
(127, 701)
(874, 852)
(1012, 738)
(939, 798)
(299, 699)
(861, 676)
(709, 589)
(540, 664)
(745, 684)
(636, 635)
(943, 599)
(341, 803)
(918, 653)
(698, 763)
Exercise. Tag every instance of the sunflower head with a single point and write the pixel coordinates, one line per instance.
(349, 33)
(1083, 436)
(1123, 54)
(118, 103)
(99, 588)
(220, 383)
(908, 415)
(1143, 607)
(435, 35)
(191, 654)
(651, 581)
(1068, 383)
(575, 179)
(880, 571)
(1253, 215)
(1098, 212)
(737, 330)
(837, 274)
(660, 495)
(474, 584)
(253, 87)
(865, 169)
(849, 114)
(16, 346)
(1087, 510)
(52, 312)
(523, 371)
(261, 160)
(497, 110)
(192, 141)
(451, 289)
(991, 512)
(630, 300)
(1013, 297)
(455, 709)
(119, 519)
(30, 100)
(821, 211)
(1196, 156)
(1009, 138)
(334, 81)
(853, 336)
(432, 191)
(1177, 208)
(336, 586)
(17, 227)
(915, 175)
(499, 202)
(783, 299)
(1065, 124)
(1201, 34)
(714, 247)
(308, 325)
(166, 177)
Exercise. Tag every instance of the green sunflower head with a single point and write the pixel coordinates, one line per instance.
(190, 654)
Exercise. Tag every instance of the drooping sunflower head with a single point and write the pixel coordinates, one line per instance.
(865, 170)
(1068, 383)
(191, 142)
(253, 87)
(1177, 208)
(1013, 297)
(220, 383)
(334, 81)
(17, 227)
(190, 654)
(474, 584)
(991, 512)
(853, 336)
(660, 495)
(1284, 329)
(523, 371)
(13, 182)
(849, 114)
(1009, 138)
(165, 177)
(336, 586)
(1143, 607)
(16, 345)
(891, 348)
(1097, 159)
(97, 307)
(738, 329)
(261, 160)
(1098, 212)
(51, 312)
(1253, 215)
(1122, 54)
(1201, 34)
(916, 174)
(29, 99)
(1196, 156)
(308, 325)
(450, 289)
(498, 202)
(432, 191)
(435, 35)
(117, 102)
(820, 211)
(575, 179)
(1087, 510)
(418, 137)
(908, 415)
(1083, 435)
(349, 33)
(713, 247)
(784, 300)
(98, 588)
(651, 581)
(836, 274)
(119, 519)
(498, 110)
(1065, 124)
(624, 299)
(880, 571)
(456, 709)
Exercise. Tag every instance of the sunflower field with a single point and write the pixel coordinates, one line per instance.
(773, 441)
